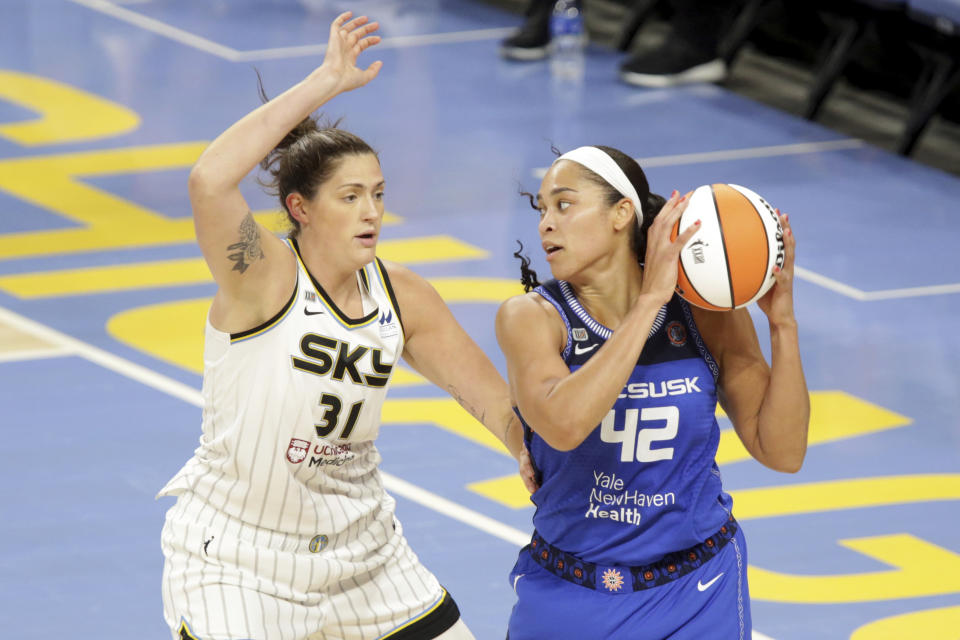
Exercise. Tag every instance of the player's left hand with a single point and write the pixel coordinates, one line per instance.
(777, 303)
(526, 470)
(348, 39)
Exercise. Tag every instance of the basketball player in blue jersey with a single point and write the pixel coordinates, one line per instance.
(617, 380)
(282, 529)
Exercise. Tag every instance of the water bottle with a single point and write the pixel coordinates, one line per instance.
(567, 40)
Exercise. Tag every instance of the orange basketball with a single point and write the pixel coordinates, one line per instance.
(728, 263)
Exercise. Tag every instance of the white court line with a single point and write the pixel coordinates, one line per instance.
(104, 358)
(798, 148)
(233, 55)
(871, 296)
(454, 510)
(911, 292)
(193, 396)
(34, 354)
(829, 283)
(160, 28)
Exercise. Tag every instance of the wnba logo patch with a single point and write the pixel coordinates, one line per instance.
(318, 544)
(677, 333)
(297, 450)
(388, 328)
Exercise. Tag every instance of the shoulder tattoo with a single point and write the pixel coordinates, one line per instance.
(243, 253)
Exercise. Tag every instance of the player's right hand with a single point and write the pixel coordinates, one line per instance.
(663, 254)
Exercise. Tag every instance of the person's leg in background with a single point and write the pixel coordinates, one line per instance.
(531, 40)
(691, 50)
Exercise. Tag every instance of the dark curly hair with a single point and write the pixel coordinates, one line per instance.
(651, 202)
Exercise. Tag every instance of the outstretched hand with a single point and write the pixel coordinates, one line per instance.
(660, 268)
(348, 39)
(777, 303)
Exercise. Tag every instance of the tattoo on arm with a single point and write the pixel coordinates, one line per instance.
(248, 249)
(511, 420)
(479, 415)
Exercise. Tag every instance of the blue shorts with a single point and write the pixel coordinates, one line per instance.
(711, 601)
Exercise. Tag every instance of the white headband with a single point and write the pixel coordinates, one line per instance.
(604, 166)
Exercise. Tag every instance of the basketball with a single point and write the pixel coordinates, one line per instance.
(728, 263)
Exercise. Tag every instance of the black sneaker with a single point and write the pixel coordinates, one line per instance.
(531, 41)
(672, 64)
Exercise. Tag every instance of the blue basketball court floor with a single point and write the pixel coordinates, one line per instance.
(105, 105)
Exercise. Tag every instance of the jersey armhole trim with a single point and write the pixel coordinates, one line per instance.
(546, 296)
(269, 324)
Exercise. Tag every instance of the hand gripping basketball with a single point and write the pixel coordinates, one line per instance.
(734, 259)
(777, 303)
(663, 248)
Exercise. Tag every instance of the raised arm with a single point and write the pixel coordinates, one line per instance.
(254, 271)
(564, 407)
(769, 405)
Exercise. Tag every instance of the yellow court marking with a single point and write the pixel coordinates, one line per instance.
(439, 248)
(491, 290)
(932, 624)
(66, 114)
(109, 222)
(836, 495)
(920, 569)
(442, 412)
(834, 415)
(507, 490)
(190, 271)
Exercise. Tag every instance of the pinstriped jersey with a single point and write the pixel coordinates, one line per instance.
(644, 483)
(291, 409)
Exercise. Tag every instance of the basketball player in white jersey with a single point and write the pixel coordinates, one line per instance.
(282, 529)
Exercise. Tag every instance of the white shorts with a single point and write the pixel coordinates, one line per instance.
(227, 580)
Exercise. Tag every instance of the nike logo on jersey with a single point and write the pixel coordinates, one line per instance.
(578, 351)
(704, 587)
(516, 580)
(307, 312)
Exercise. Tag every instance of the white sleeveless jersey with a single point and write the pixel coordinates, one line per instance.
(291, 409)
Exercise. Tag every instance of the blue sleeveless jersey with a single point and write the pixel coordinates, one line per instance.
(645, 482)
